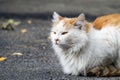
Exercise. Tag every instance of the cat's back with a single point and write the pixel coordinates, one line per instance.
(107, 20)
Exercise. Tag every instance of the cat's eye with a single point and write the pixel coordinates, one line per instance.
(63, 33)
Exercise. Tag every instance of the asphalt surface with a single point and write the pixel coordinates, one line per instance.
(38, 61)
(93, 7)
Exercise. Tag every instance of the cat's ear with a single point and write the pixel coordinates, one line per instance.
(81, 17)
(80, 21)
(56, 17)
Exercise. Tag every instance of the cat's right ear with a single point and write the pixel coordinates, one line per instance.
(80, 21)
(56, 17)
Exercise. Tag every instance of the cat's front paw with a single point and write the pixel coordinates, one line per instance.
(71, 72)
(66, 71)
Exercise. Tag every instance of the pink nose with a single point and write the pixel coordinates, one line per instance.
(57, 40)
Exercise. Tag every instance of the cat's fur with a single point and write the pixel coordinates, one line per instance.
(81, 45)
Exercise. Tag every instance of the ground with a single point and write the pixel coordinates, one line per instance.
(38, 61)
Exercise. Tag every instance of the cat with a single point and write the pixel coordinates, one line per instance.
(81, 45)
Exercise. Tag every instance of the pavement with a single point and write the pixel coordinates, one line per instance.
(38, 61)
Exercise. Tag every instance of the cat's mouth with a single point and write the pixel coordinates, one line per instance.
(66, 44)
(57, 42)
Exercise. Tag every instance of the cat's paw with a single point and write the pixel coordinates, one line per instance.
(69, 72)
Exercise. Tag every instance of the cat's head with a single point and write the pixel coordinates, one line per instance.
(68, 31)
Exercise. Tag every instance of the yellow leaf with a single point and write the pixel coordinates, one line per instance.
(29, 22)
(24, 30)
(11, 21)
(17, 54)
(3, 59)
(49, 38)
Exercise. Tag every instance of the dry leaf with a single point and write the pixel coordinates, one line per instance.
(17, 23)
(24, 30)
(29, 22)
(17, 54)
(49, 38)
(3, 59)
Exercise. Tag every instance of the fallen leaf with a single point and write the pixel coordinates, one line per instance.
(3, 59)
(16, 23)
(10, 24)
(11, 21)
(49, 38)
(24, 30)
(7, 26)
(17, 54)
(29, 22)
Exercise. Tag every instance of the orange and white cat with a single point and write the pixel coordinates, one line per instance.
(81, 45)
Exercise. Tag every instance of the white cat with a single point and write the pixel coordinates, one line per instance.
(81, 46)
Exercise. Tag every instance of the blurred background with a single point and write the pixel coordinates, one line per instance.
(44, 8)
(25, 46)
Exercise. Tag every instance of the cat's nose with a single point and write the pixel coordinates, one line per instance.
(57, 41)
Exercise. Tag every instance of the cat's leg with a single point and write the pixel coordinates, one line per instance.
(118, 55)
(70, 71)
(66, 70)
(118, 60)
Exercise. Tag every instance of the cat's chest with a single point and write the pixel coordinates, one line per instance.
(70, 60)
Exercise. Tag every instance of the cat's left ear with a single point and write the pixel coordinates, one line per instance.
(56, 17)
(80, 21)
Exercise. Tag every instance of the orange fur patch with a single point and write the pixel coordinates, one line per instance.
(70, 22)
(113, 20)
(88, 26)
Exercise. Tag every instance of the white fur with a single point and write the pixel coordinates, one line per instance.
(79, 51)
